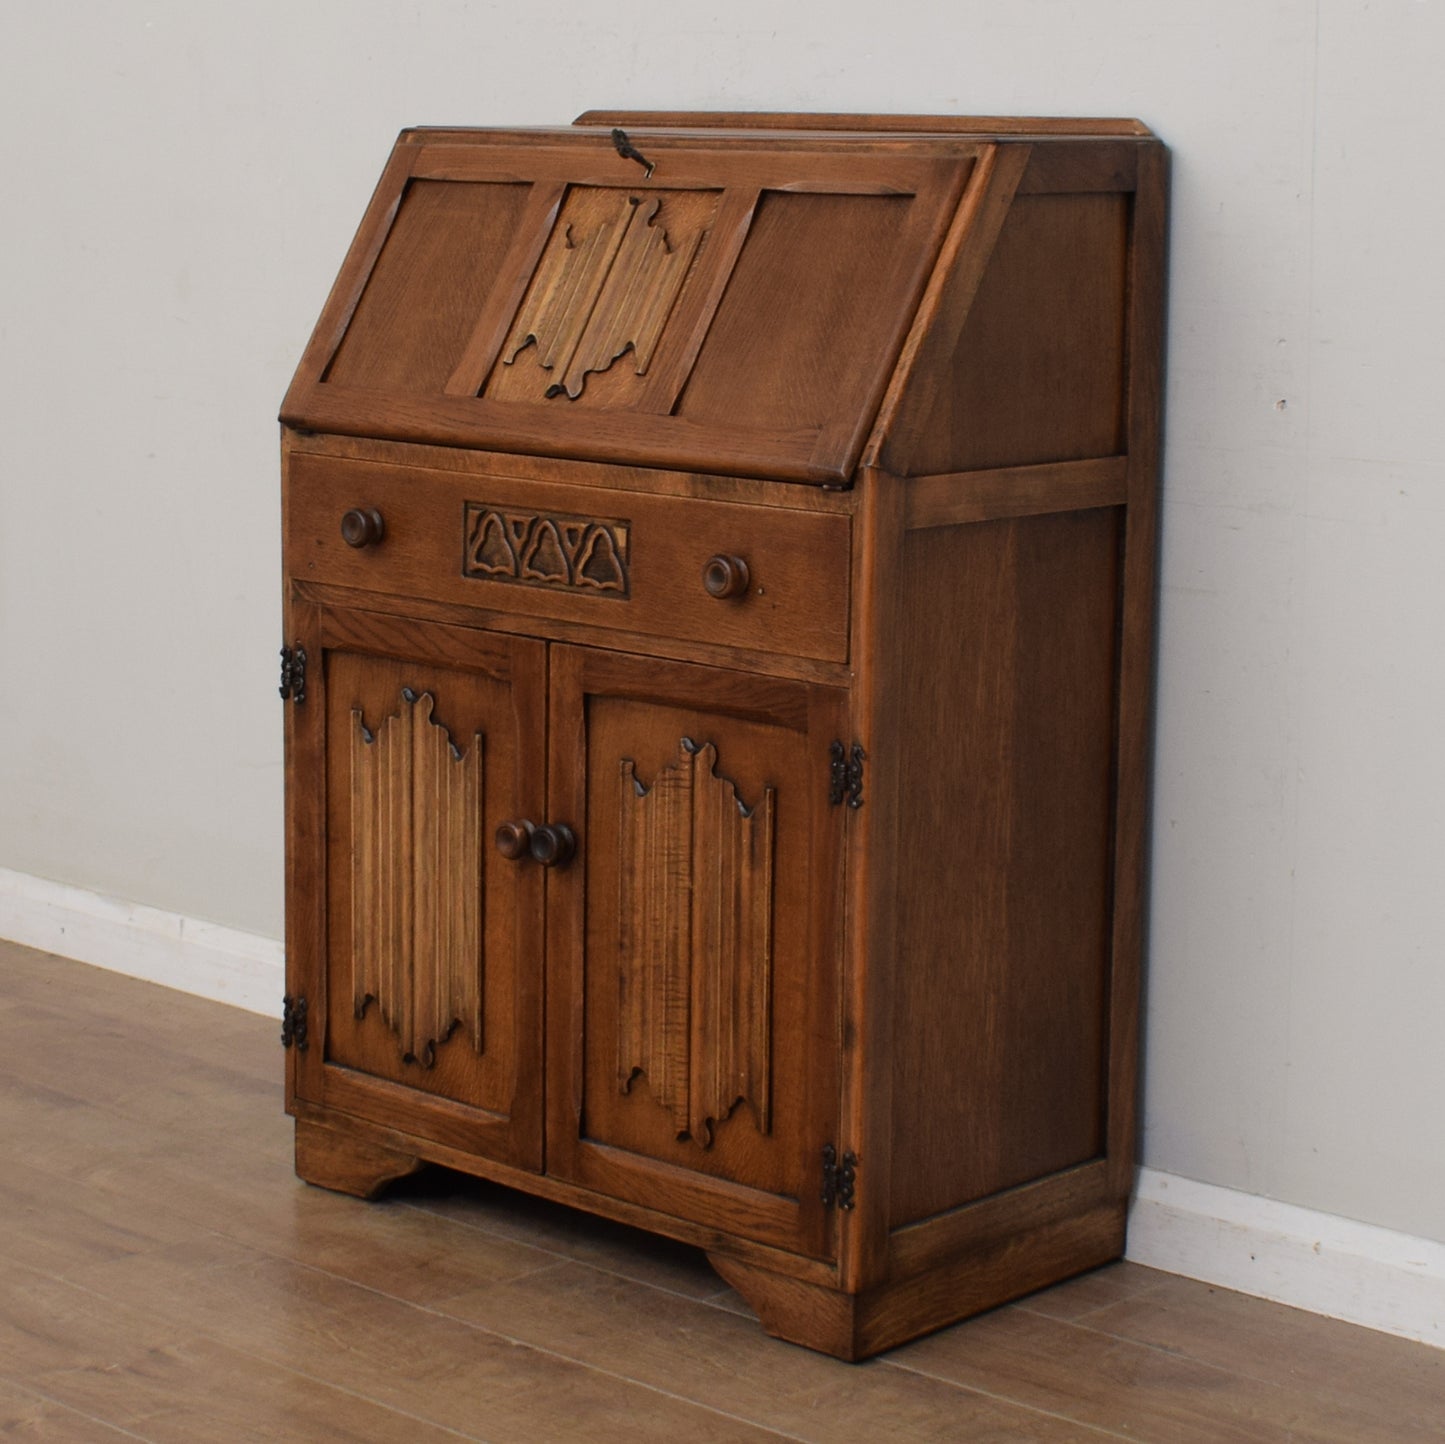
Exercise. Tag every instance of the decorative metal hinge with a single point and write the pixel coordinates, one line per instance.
(293, 1023)
(293, 673)
(846, 775)
(839, 1178)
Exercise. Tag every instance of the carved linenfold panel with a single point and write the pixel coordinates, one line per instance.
(570, 553)
(696, 943)
(606, 285)
(416, 862)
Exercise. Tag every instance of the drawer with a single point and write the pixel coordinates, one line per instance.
(627, 561)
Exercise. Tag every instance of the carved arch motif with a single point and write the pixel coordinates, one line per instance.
(545, 549)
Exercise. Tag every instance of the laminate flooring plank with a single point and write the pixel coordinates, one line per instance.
(99, 1202)
(56, 1228)
(105, 1059)
(29, 1416)
(138, 1372)
(1132, 1388)
(411, 1359)
(1397, 1381)
(719, 1358)
(409, 1255)
(1089, 1292)
(149, 1013)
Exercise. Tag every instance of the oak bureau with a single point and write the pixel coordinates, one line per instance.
(719, 573)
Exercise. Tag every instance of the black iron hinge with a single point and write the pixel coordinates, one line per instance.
(293, 673)
(293, 1023)
(846, 775)
(840, 1178)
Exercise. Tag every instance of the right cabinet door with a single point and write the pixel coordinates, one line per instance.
(694, 942)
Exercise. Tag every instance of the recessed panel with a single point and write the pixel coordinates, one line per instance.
(426, 293)
(1003, 940)
(816, 291)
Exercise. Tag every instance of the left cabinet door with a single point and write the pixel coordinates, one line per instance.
(412, 938)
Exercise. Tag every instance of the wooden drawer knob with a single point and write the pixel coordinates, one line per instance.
(725, 576)
(362, 526)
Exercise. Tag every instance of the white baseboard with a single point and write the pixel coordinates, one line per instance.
(1315, 1261)
(225, 964)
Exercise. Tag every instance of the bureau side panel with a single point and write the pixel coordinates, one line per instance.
(1008, 670)
(1036, 372)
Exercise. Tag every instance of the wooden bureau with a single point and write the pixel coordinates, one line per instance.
(719, 572)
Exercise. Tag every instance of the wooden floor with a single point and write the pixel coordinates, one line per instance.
(163, 1276)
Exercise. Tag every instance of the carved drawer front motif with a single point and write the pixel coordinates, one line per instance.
(416, 807)
(571, 553)
(606, 285)
(696, 944)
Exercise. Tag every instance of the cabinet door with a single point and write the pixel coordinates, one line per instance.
(416, 943)
(693, 944)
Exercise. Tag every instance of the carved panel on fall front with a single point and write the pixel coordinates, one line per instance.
(416, 859)
(570, 553)
(695, 944)
(606, 285)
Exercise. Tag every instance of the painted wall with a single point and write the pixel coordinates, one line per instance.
(183, 179)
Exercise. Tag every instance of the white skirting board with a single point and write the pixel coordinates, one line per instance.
(1315, 1261)
(1366, 1275)
(143, 942)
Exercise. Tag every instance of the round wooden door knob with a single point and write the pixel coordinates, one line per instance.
(553, 844)
(514, 839)
(725, 576)
(362, 526)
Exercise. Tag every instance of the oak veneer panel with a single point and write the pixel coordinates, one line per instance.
(416, 875)
(999, 1033)
(818, 285)
(604, 292)
(1144, 422)
(1038, 371)
(424, 919)
(695, 922)
(663, 1092)
(444, 542)
(422, 300)
(374, 842)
